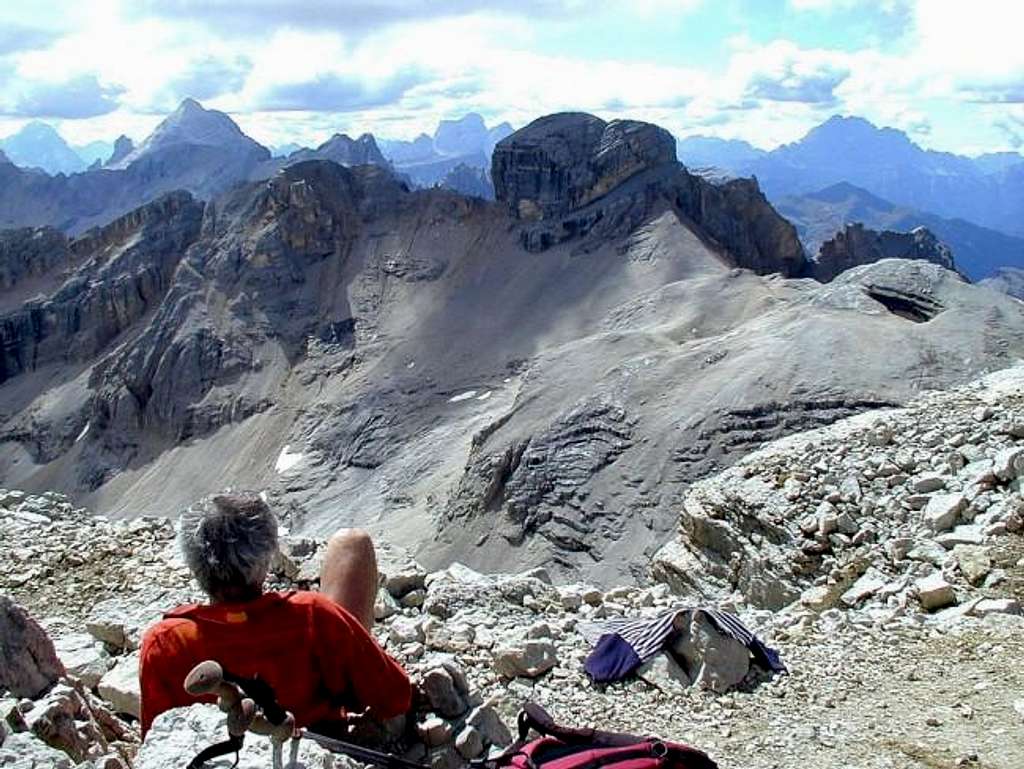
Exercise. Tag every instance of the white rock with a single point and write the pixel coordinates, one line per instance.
(469, 743)
(1008, 464)
(968, 534)
(26, 751)
(486, 720)
(926, 483)
(120, 686)
(528, 658)
(434, 732)
(404, 630)
(869, 583)
(942, 511)
(934, 592)
(989, 606)
(83, 657)
(928, 551)
(664, 673)
(974, 562)
(719, 661)
(178, 735)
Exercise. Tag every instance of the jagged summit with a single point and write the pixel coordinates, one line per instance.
(192, 124)
(466, 134)
(344, 150)
(857, 245)
(123, 147)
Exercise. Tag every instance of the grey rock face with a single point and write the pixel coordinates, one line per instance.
(470, 181)
(29, 253)
(560, 163)
(120, 272)
(123, 147)
(857, 245)
(344, 150)
(532, 482)
(201, 151)
(570, 175)
(28, 661)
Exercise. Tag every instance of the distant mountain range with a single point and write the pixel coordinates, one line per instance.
(698, 152)
(979, 251)
(38, 145)
(845, 170)
(988, 190)
(195, 149)
(428, 160)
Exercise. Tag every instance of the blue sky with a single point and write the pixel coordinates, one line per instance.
(949, 73)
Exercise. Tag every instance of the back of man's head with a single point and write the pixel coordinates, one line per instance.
(228, 540)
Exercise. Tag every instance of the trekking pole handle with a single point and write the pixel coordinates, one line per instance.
(208, 678)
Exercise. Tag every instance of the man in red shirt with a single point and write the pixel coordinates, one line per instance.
(314, 649)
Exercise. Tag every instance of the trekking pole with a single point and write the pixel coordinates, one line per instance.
(238, 698)
(251, 705)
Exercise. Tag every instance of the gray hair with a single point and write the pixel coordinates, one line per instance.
(228, 540)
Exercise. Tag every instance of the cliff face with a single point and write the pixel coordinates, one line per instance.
(117, 273)
(30, 252)
(568, 176)
(857, 245)
(562, 162)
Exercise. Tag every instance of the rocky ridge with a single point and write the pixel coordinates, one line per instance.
(887, 510)
(902, 638)
(557, 174)
(856, 245)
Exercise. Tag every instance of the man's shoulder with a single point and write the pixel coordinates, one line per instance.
(314, 602)
(170, 627)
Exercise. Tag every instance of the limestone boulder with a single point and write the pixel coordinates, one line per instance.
(120, 687)
(28, 661)
(179, 734)
(715, 660)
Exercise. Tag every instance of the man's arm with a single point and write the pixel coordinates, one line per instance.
(354, 665)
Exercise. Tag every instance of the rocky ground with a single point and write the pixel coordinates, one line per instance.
(881, 556)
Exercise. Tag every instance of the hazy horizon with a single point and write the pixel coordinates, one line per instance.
(948, 74)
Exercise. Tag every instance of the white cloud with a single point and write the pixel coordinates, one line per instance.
(397, 72)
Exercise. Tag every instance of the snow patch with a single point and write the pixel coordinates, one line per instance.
(485, 396)
(85, 432)
(462, 396)
(287, 460)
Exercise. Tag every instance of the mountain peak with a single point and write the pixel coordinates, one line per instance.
(38, 145)
(38, 130)
(850, 128)
(123, 147)
(191, 123)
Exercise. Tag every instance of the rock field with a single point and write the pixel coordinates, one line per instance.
(882, 556)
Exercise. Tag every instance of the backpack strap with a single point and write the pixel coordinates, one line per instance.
(533, 716)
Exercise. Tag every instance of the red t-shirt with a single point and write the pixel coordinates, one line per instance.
(316, 656)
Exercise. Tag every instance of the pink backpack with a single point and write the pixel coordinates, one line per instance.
(564, 747)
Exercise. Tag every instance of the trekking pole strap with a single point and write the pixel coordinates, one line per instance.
(358, 752)
(230, 745)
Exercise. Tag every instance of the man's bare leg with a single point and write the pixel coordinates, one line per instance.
(349, 574)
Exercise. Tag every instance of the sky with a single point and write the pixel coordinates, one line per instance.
(949, 73)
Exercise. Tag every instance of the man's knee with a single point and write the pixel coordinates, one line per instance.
(355, 541)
